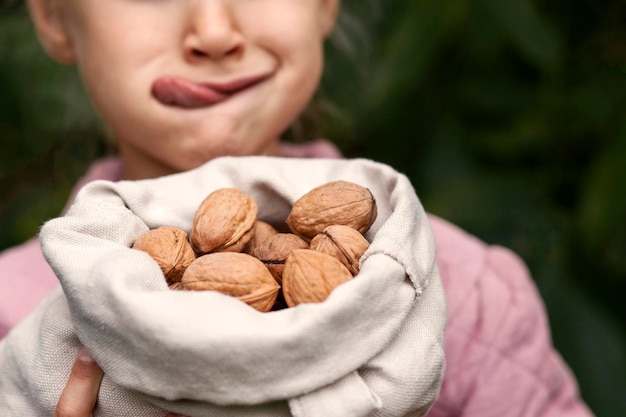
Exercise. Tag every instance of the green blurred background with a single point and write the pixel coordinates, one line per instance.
(507, 115)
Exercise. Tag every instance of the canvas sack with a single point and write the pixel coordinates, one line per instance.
(373, 348)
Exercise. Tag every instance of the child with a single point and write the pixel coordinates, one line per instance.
(206, 78)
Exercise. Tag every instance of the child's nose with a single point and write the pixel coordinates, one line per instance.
(213, 30)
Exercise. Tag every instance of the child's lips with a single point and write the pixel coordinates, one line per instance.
(181, 92)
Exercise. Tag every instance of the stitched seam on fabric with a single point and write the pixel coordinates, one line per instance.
(419, 289)
(475, 278)
(492, 349)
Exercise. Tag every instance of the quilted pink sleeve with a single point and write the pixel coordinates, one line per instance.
(499, 352)
(26, 278)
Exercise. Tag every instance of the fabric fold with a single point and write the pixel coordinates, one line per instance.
(350, 396)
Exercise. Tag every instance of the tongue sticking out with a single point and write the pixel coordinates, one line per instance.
(179, 92)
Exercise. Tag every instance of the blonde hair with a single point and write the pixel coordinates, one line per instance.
(351, 40)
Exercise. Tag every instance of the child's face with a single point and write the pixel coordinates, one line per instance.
(179, 82)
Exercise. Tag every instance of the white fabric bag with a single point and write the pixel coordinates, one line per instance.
(373, 348)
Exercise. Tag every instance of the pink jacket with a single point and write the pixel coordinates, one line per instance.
(500, 360)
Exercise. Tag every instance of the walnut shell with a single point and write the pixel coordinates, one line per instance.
(344, 243)
(170, 249)
(235, 274)
(224, 222)
(337, 202)
(262, 231)
(310, 276)
(176, 286)
(273, 252)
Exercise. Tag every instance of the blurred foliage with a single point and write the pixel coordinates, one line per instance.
(508, 116)
(49, 133)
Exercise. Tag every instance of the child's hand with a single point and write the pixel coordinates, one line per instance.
(79, 395)
(81, 391)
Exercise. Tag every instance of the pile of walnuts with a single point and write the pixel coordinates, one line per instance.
(230, 250)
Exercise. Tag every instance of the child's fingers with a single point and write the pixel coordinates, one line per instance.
(81, 391)
(79, 395)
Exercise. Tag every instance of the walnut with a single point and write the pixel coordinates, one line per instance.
(224, 222)
(310, 276)
(273, 252)
(235, 274)
(262, 231)
(337, 202)
(170, 249)
(344, 243)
